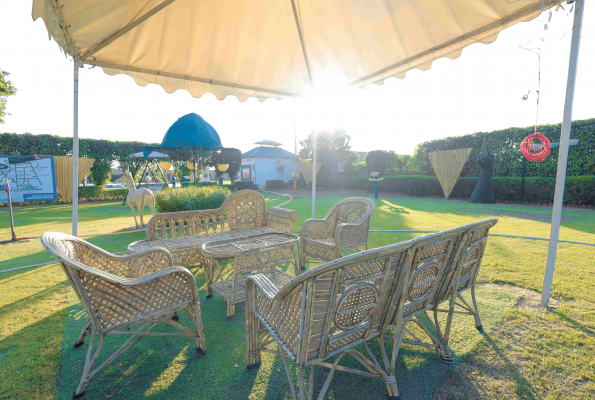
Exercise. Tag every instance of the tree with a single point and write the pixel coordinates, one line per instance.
(381, 161)
(331, 148)
(280, 167)
(6, 89)
(349, 163)
(231, 157)
(101, 172)
(401, 166)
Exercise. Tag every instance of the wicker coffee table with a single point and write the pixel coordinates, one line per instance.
(255, 253)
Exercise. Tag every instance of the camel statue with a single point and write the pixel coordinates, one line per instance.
(138, 198)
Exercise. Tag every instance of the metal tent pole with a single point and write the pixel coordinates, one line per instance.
(295, 164)
(194, 165)
(75, 152)
(563, 155)
(314, 174)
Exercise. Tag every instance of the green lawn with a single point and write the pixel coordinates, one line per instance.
(526, 355)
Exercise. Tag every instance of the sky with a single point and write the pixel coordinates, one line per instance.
(480, 91)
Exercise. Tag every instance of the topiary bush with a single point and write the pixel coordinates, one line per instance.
(579, 190)
(191, 198)
(275, 184)
(415, 188)
(243, 185)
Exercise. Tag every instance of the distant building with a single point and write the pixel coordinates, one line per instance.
(267, 162)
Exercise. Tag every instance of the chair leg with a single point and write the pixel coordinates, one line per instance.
(231, 309)
(208, 266)
(301, 383)
(86, 329)
(253, 356)
(89, 362)
(478, 325)
(201, 345)
(302, 256)
(288, 373)
(445, 355)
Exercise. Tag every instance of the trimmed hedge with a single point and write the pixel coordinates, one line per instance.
(243, 185)
(101, 193)
(579, 190)
(277, 184)
(504, 144)
(191, 198)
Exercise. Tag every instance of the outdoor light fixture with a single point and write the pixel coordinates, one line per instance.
(525, 97)
(222, 167)
(190, 165)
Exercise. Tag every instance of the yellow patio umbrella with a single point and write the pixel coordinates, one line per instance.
(276, 48)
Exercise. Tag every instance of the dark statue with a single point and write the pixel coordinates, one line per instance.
(483, 191)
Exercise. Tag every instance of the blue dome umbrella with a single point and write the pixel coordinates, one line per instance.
(190, 131)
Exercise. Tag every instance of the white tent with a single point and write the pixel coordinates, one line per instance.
(272, 48)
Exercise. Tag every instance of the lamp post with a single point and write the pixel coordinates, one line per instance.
(7, 191)
(294, 175)
(375, 177)
(222, 168)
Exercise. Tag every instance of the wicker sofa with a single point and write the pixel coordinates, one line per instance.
(242, 214)
(327, 311)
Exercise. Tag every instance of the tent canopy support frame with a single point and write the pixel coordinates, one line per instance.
(563, 154)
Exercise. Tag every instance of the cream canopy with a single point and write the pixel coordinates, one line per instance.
(280, 48)
(272, 48)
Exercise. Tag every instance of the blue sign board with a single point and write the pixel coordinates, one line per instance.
(32, 178)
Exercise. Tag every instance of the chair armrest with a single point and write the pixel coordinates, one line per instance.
(317, 229)
(129, 266)
(136, 281)
(278, 308)
(264, 284)
(281, 218)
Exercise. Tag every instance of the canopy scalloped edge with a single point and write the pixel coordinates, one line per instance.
(454, 49)
(197, 87)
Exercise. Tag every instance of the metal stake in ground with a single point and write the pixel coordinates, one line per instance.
(7, 190)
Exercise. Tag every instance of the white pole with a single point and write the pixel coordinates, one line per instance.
(295, 165)
(563, 155)
(75, 153)
(313, 173)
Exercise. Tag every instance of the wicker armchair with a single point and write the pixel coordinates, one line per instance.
(122, 292)
(328, 310)
(345, 227)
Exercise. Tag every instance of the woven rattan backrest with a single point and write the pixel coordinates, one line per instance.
(350, 210)
(433, 263)
(346, 300)
(65, 248)
(241, 210)
(247, 209)
(470, 260)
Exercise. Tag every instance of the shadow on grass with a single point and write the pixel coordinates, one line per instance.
(523, 387)
(112, 244)
(29, 358)
(24, 303)
(32, 215)
(575, 323)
